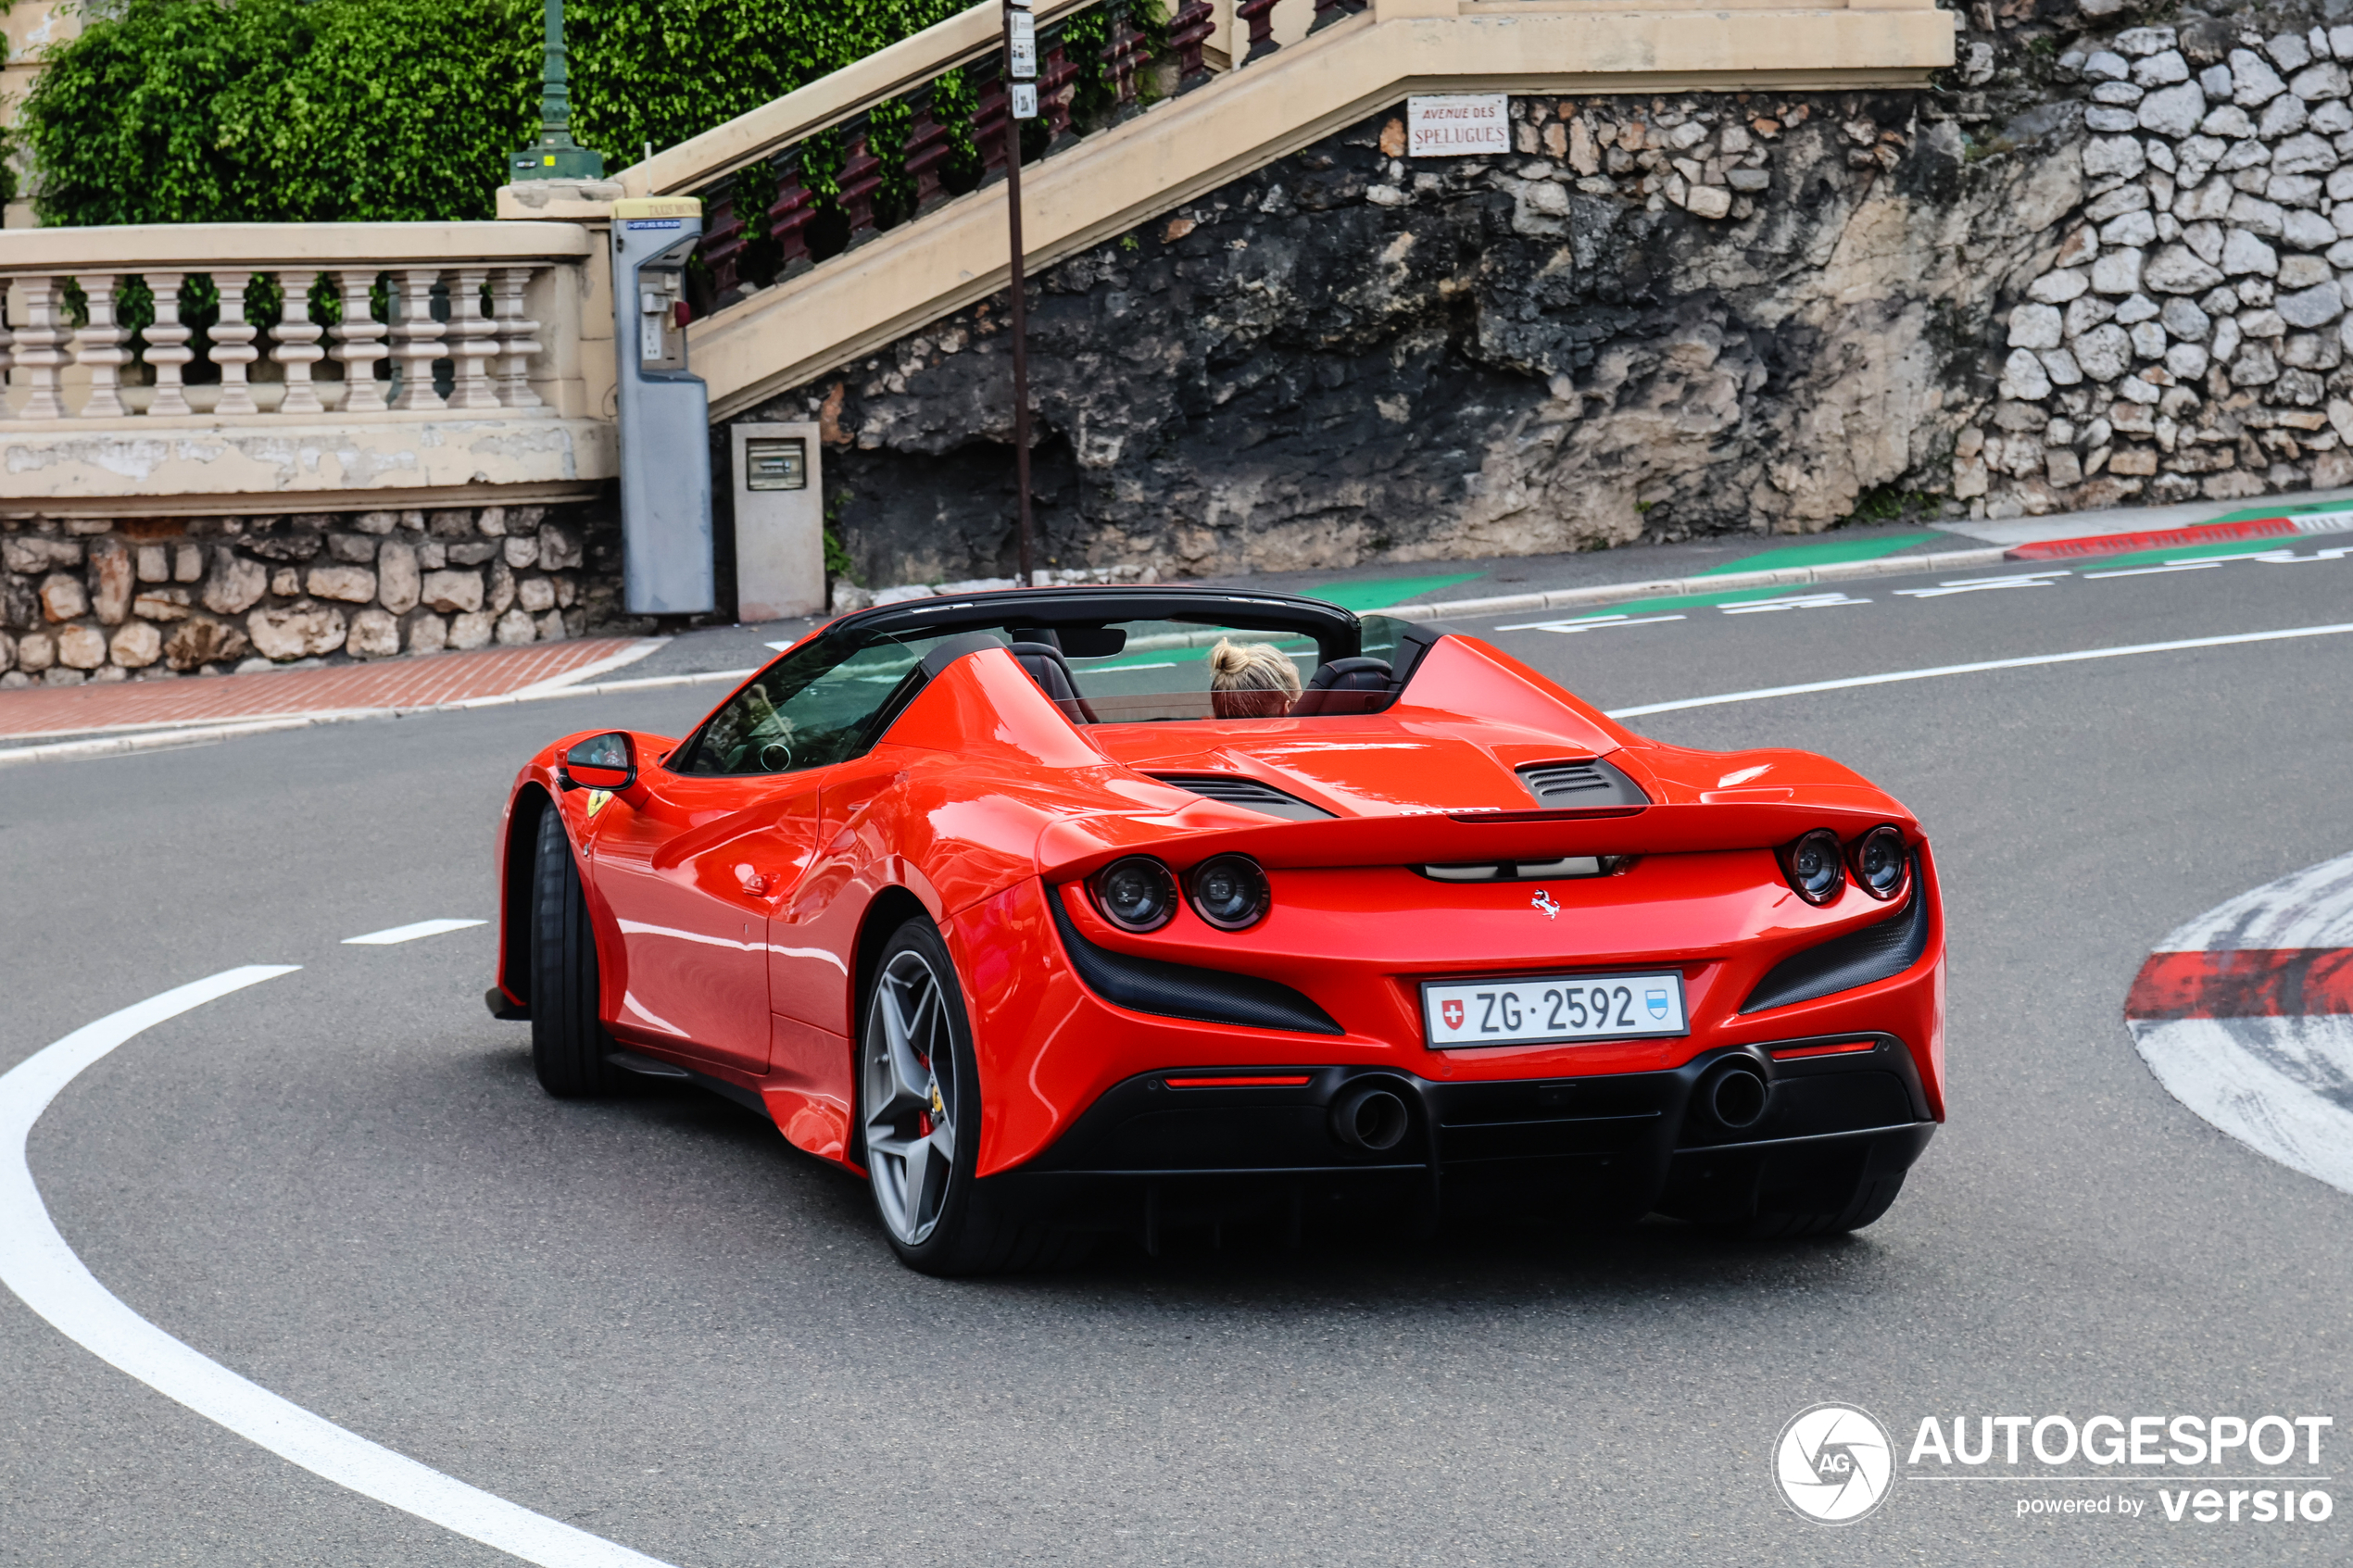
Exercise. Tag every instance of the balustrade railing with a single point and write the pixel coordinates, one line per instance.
(201, 330)
(825, 186)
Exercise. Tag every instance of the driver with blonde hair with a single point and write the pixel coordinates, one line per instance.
(1250, 681)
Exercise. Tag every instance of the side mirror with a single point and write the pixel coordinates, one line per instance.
(607, 761)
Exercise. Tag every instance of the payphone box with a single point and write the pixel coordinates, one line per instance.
(665, 411)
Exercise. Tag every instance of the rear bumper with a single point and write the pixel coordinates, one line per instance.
(1148, 1154)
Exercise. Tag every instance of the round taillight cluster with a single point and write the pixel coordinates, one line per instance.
(1817, 865)
(1139, 893)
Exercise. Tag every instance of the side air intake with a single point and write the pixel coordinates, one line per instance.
(1175, 990)
(1566, 785)
(1235, 790)
(1876, 952)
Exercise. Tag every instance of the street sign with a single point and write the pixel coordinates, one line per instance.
(1458, 125)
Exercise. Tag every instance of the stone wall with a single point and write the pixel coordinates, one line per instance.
(104, 599)
(2188, 338)
(1662, 318)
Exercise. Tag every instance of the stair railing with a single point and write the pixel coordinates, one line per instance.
(794, 184)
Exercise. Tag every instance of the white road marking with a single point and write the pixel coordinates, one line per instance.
(2155, 570)
(1588, 623)
(409, 932)
(1894, 676)
(36, 1263)
(1790, 601)
(1983, 584)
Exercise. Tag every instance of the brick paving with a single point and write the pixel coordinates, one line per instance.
(398, 682)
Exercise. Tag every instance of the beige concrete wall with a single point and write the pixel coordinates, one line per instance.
(197, 467)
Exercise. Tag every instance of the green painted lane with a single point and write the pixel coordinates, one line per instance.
(1827, 552)
(1383, 592)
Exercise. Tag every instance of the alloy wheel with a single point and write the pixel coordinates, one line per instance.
(910, 1098)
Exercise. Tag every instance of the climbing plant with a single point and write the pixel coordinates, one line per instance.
(192, 111)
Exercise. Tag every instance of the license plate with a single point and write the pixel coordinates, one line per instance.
(1546, 1009)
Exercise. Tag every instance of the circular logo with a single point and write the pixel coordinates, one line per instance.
(1834, 1464)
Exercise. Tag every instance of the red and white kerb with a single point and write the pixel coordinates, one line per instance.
(2245, 1014)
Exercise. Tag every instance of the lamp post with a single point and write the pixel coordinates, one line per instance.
(1021, 89)
(554, 156)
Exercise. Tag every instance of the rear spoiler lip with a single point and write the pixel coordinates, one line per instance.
(1076, 847)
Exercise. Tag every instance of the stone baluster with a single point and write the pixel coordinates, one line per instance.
(723, 233)
(38, 352)
(990, 106)
(97, 348)
(926, 148)
(1259, 17)
(1191, 27)
(296, 343)
(358, 343)
(233, 347)
(168, 347)
(1057, 76)
(416, 338)
(477, 341)
(518, 337)
(791, 214)
(860, 180)
(1125, 55)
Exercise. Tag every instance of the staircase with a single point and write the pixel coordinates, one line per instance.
(859, 209)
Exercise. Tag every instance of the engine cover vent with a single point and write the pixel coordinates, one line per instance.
(1566, 785)
(1235, 790)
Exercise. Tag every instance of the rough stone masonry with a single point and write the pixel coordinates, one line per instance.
(106, 600)
(2095, 264)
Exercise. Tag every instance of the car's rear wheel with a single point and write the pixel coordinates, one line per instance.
(568, 1042)
(919, 1121)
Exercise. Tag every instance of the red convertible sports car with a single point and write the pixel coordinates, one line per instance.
(994, 900)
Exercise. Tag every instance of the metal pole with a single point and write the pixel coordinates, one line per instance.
(1020, 312)
(554, 156)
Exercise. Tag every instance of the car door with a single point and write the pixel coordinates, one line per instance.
(722, 837)
(689, 870)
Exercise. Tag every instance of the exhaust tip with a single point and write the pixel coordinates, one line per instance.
(1373, 1120)
(1735, 1095)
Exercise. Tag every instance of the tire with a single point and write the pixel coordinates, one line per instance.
(919, 1122)
(568, 1042)
(1838, 1213)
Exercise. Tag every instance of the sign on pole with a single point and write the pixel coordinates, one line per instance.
(1458, 125)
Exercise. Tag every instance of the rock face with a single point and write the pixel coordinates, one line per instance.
(1667, 316)
(1347, 356)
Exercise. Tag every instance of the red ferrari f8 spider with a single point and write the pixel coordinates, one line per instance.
(993, 901)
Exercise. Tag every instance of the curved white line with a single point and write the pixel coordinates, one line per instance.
(1894, 675)
(36, 1263)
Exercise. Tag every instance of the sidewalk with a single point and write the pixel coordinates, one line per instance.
(44, 724)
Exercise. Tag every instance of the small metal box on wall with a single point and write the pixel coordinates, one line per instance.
(780, 521)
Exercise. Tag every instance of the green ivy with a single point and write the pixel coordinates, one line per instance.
(208, 111)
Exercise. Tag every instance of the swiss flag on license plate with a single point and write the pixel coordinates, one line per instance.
(1453, 1012)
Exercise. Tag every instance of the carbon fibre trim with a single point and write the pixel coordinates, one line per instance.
(1876, 952)
(1203, 996)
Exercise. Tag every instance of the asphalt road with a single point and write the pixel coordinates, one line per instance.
(656, 1321)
